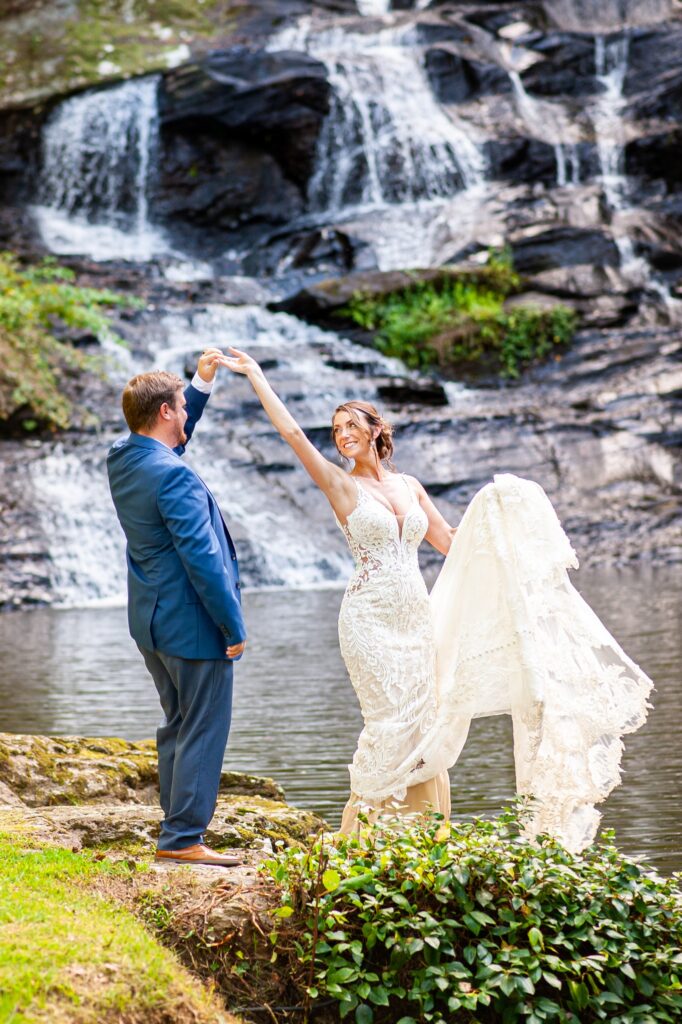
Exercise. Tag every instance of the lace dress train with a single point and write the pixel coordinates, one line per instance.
(503, 632)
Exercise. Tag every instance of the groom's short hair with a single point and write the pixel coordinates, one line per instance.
(144, 395)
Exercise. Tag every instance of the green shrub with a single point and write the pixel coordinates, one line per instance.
(469, 922)
(34, 303)
(460, 324)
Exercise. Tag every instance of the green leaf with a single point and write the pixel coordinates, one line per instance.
(535, 938)
(284, 912)
(331, 879)
(579, 993)
(379, 996)
(364, 1014)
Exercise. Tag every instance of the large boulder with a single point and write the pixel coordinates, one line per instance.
(563, 247)
(47, 770)
(567, 68)
(238, 133)
(103, 793)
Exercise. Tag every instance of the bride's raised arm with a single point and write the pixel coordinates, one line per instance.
(331, 479)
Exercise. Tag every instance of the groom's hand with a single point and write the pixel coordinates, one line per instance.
(235, 650)
(209, 361)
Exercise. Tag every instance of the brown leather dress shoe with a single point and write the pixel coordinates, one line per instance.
(199, 854)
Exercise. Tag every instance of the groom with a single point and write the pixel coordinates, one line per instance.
(184, 608)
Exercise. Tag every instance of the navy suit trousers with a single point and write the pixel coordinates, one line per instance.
(196, 697)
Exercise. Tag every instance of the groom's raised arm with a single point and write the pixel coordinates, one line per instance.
(198, 391)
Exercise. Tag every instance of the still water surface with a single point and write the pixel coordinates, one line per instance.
(296, 717)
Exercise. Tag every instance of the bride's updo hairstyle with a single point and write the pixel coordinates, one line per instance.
(368, 420)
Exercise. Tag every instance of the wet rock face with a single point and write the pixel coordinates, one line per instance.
(238, 136)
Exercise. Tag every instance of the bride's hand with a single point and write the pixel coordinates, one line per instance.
(240, 362)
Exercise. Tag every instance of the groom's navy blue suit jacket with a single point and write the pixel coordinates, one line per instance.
(183, 577)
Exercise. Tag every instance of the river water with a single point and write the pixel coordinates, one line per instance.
(296, 718)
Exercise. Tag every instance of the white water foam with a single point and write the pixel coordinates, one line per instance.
(98, 148)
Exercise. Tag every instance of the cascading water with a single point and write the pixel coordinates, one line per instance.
(372, 8)
(279, 543)
(388, 152)
(549, 122)
(611, 64)
(97, 151)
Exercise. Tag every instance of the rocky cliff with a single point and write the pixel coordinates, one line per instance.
(293, 142)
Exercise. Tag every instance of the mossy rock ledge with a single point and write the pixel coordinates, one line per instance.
(103, 793)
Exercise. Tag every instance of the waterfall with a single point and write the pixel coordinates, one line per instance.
(611, 64)
(390, 158)
(386, 139)
(97, 151)
(84, 541)
(284, 530)
(549, 122)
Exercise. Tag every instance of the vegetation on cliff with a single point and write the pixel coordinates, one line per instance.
(39, 305)
(460, 323)
(52, 49)
(470, 922)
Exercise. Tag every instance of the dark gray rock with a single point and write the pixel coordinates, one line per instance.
(567, 68)
(455, 79)
(657, 156)
(522, 159)
(275, 101)
(413, 392)
(563, 247)
(325, 250)
(238, 134)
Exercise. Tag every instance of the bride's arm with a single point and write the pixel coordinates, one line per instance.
(329, 478)
(439, 533)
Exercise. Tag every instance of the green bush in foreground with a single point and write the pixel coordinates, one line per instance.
(34, 302)
(461, 324)
(471, 923)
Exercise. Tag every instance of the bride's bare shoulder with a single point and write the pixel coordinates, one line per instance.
(414, 484)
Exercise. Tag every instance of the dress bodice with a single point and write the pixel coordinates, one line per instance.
(381, 545)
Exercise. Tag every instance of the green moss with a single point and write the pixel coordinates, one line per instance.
(66, 952)
(34, 301)
(59, 50)
(460, 323)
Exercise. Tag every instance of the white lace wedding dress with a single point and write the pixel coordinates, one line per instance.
(503, 632)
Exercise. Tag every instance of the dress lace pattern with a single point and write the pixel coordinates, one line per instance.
(503, 631)
(386, 639)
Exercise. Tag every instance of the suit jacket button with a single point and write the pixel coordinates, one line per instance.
(238, 585)
(234, 558)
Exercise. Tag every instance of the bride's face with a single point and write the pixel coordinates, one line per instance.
(352, 438)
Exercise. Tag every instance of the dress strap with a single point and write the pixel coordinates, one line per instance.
(412, 494)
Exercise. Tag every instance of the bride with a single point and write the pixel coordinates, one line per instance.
(502, 632)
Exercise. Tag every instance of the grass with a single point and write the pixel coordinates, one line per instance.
(68, 954)
(461, 325)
